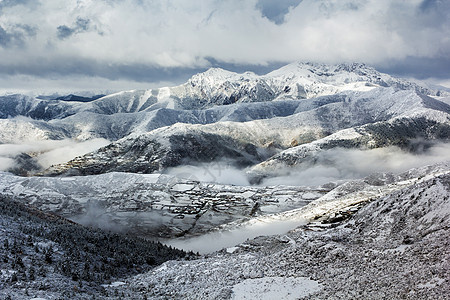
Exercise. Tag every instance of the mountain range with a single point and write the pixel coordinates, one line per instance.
(310, 177)
(245, 118)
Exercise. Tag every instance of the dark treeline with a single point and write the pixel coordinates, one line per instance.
(39, 244)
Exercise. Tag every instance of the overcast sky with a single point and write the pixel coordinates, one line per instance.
(53, 45)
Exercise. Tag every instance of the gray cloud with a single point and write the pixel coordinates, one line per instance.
(433, 5)
(11, 3)
(81, 25)
(5, 37)
(64, 31)
(16, 35)
(136, 40)
(418, 67)
(276, 10)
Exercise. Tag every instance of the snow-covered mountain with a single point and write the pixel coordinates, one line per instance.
(377, 118)
(353, 172)
(220, 87)
(221, 114)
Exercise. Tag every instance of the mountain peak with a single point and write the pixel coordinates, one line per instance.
(308, 68)
(217, 72)
(217, 76)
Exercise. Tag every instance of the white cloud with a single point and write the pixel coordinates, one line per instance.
(6, 163)
(37, 85)
(48, 152)
(220, 172)
(342, 164)
(188, 33)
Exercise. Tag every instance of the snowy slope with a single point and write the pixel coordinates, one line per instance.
(381, 117)
(394, 247)
(45, 256)
(221, 87)
(406, 133)
(265, 112)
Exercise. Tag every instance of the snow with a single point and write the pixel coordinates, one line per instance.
(151, 178)
(232, 249)
(182, 187)
(113, 284)
(269, 288)
(342, 198)
(338, 260)
(244, 221)
(153, 199)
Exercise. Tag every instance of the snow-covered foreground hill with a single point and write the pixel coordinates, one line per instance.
(44, 256)
(384, 236)
(395, 247)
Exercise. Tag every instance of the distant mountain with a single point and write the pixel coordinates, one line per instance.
(76, 98)
(220, 87)
(70, 97)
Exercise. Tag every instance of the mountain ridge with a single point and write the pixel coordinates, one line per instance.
(246, 116)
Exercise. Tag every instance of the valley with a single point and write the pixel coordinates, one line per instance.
(312, 176)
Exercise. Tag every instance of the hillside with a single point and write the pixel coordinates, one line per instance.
(312, 181)
(46, 255)
(394, 247)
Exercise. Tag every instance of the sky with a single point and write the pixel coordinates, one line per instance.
(109, 45)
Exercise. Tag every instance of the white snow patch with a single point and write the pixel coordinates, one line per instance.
(67, 179)
(182, 187)
(151, 178)
(400, 248)
(247, 194)
(232, 249)
(275, 288)
(162, 268)
(114, 284)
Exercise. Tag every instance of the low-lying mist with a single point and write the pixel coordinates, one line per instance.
(214, 241)
(223, 172)
(48, 152)
(341, 164)
(328, 165)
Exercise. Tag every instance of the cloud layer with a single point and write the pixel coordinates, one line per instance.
(137, 40)
(48, 152)
(343, 164)
(330, 165)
